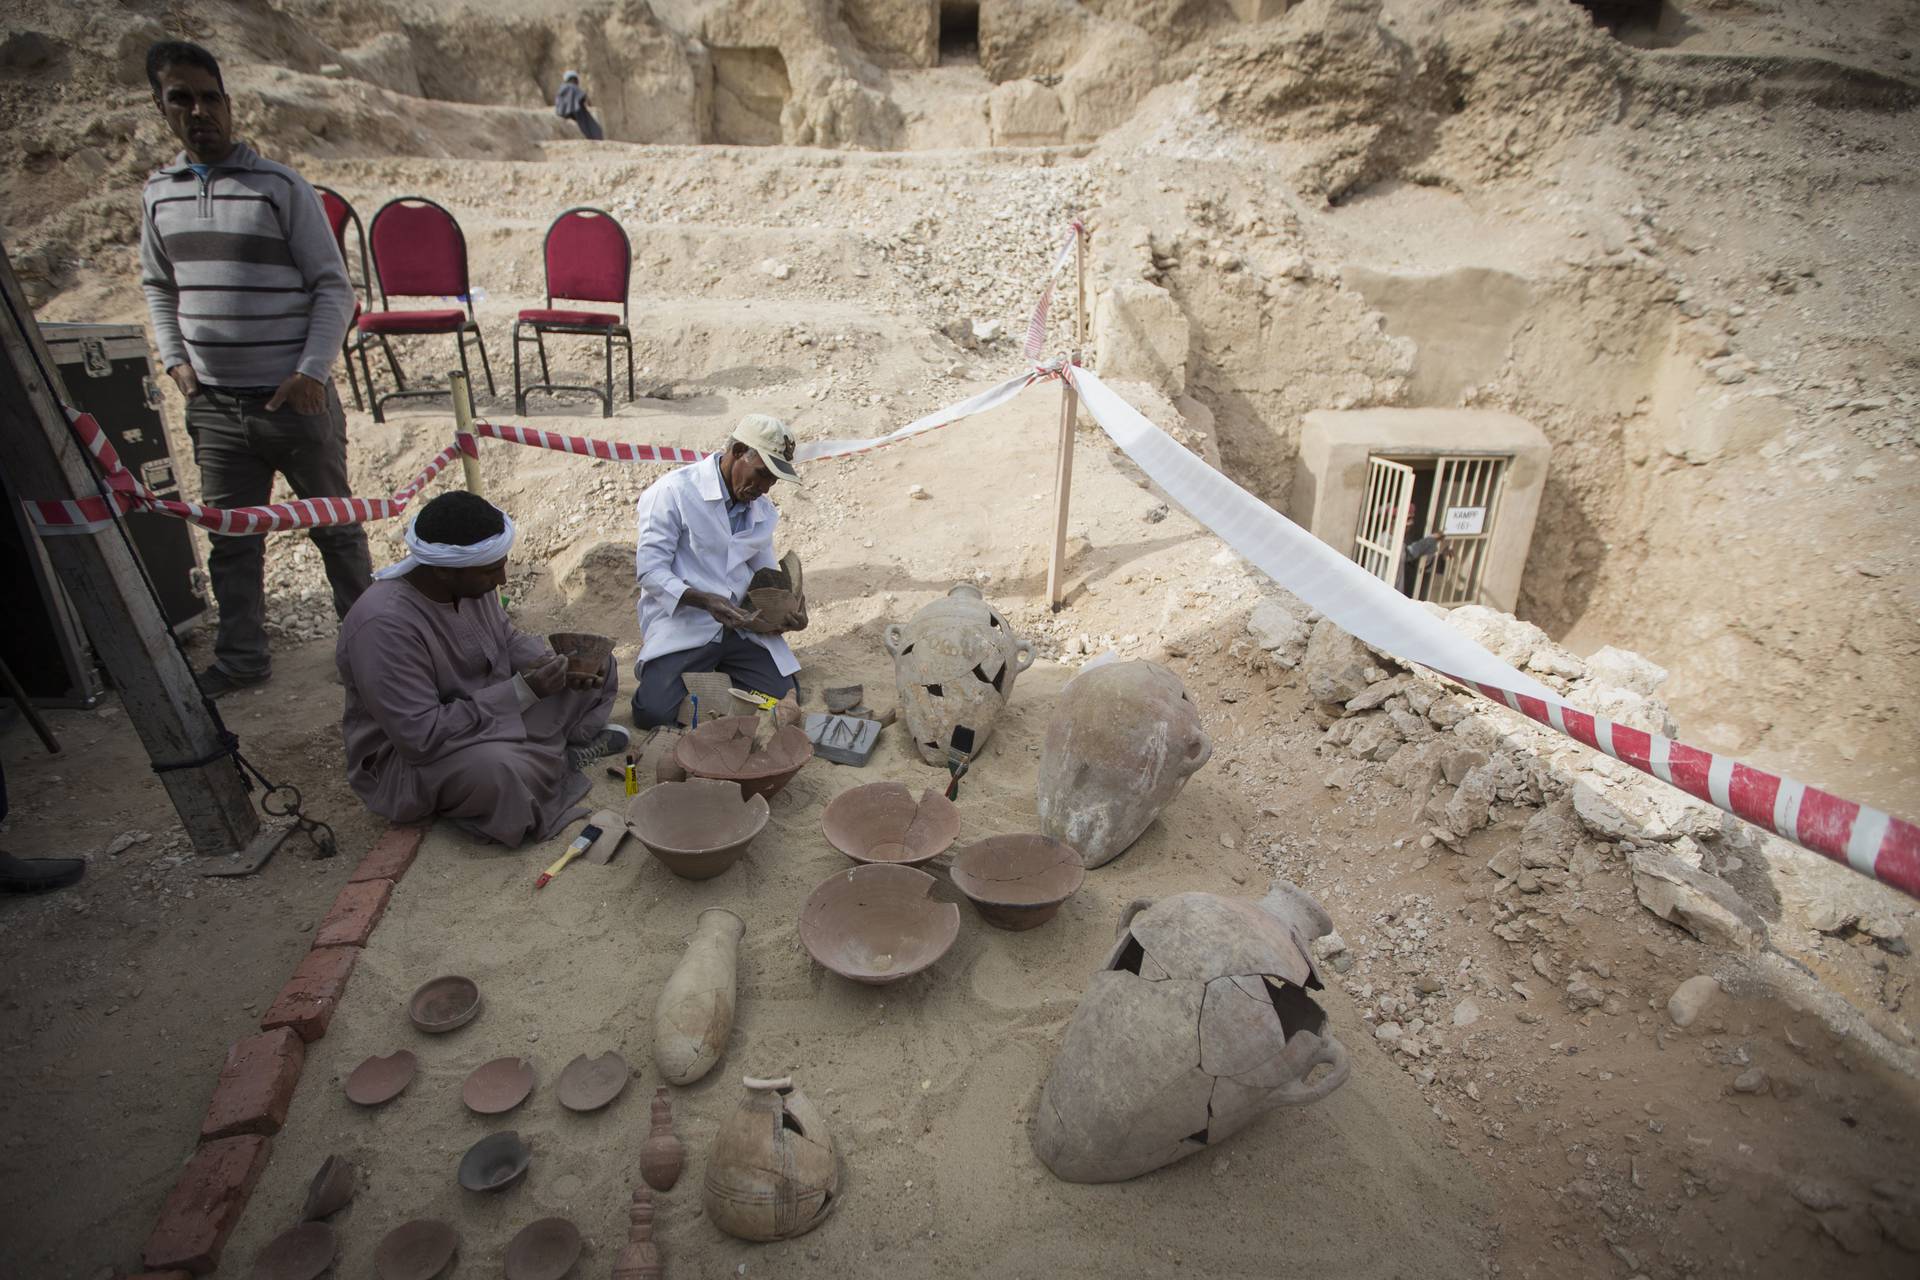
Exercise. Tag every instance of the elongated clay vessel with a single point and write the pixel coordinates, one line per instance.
(772, 1173)
(662, 1155)
(695, 1012)
(1198, 1024)
(1123, 741)
(954, 663)
(640, 1259)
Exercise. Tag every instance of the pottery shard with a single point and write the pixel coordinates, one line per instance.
(205, 1203)
(1336, 664)
(256, 1085)
(308, 1000)
(391, 854)
(354, 914)
(1703, 905)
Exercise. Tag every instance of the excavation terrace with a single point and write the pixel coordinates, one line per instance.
(1621, 295)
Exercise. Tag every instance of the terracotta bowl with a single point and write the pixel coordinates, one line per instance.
(586, 654)
(298, 1253)
(379, 1080)
(882, 822)
(1018, 882)
(417, 1250)
(498, 1086)
(876, 923)
(723, 748)
(494, 1162)
(589, 1084)
(445, 1003)
(699, 827)
(543, 1250)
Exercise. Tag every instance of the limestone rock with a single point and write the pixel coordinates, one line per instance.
(1624, 669)
(1703, 905)
(1025, 113)
(1141, 332)
(1273, 627)
(1336, 664)
(1691, 998)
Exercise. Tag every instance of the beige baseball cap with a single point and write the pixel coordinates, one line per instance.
(769, 437)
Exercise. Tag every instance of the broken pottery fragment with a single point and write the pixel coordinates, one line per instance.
(1199, 1022)
(1123, 741)
(330, 1191)
(661, 1155)
(772, 1173)
(697, 828)
(694, 1015)
(589, 1084)
(955, 662)
(723, 748)
(416, 1250)
(380, 1079)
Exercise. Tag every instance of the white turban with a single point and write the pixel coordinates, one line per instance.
(448, 555)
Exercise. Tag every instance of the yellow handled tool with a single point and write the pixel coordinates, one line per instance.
(588, 834)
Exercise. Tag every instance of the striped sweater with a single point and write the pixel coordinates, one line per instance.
(244, 280)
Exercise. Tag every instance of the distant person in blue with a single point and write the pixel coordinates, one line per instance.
(571, 104)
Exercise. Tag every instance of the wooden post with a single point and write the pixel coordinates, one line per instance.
(463, 424)
(99, 572)
(1063, 465)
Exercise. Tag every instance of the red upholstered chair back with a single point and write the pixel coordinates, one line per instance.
(588, 257)
(340, 216)
(418, 250)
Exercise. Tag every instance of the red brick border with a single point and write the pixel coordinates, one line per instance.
(260, 1072)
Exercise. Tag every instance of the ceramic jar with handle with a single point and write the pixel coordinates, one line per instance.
(954, 663)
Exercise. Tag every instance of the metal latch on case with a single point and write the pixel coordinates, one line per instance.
(93, 357)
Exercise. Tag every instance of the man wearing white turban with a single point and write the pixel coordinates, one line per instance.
(452, 712)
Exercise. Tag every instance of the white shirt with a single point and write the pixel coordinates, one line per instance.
(686, 540)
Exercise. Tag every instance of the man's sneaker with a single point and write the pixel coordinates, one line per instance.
(611, 741)
(217, 682)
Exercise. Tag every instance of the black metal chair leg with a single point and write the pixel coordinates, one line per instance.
(606, 396)
(481, 342)
(393, 365)
(519, 396)
(540, 340)
(460, 340)
(353, 380)
(628, 340)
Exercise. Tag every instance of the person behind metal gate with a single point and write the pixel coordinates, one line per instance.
(249, 300)
(571, 103)
(704, 530)
(453, 712)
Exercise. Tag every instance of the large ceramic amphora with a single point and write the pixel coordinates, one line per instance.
(954, 663)
(1199, 1023)
(1123, 741)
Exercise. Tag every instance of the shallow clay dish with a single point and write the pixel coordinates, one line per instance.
(876, 923)
(723, 748)
(1018, 881)
(494, 1161)
(589, 1084)
(543, 1250)
(417, 1250)
(586, 654)
(330, 1189)
(498, 1086)
(444, 1003)
(882, 822)
(379, 1080)
(298, 1253)
(699, 827)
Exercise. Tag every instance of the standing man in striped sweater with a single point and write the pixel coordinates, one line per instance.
(250, 301)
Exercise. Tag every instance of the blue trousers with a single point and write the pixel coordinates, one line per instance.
(659, 693)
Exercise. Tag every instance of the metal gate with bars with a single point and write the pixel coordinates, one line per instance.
(1463, 503)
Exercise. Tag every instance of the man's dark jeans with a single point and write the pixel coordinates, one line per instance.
(657, 697)
(238, 447)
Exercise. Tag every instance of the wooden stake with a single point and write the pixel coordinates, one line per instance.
(463, 425)
(1063, 465)
(43, 460)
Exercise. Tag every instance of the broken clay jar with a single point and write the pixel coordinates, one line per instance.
(955, 662)
(772, 1173)
(694, 1015)
(1123, 741)
(1199, 1022)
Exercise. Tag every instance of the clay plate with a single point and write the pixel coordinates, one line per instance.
(498, 1086)
(723, 748)
(494, 1161)
(330, 1189)
(417, 1250)
(589, 1084)
(1018, 881)
(444, 1003)
(877, 923)
(586, 654)
(298, 1253)
(699, 827)
(379, 1080)
(543, 1250)
(882, 822)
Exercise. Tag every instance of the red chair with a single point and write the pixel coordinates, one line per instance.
(588, 259)
(340, 216)
(418, 252)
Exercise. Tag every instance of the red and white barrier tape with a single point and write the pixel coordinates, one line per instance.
(611, 450)
(1037, 325)
(1866, 839)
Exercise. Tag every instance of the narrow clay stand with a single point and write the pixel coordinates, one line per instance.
(662, 1155)
(695, 1011)
(640, 1260)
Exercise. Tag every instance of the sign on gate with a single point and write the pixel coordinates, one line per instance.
(1465, 521)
